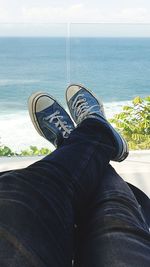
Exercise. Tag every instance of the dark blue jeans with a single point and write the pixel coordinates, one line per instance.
(75, 185)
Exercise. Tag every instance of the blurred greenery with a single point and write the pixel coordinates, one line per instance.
(134, 123)
(6, 151)
(31, 151)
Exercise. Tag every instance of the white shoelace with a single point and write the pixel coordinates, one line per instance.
(57, 119)
(82, 109)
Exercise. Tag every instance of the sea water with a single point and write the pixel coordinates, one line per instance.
(116, 69)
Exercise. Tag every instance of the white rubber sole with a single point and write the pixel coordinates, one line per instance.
(32, 110)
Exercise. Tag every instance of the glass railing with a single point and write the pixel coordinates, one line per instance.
(111, 59)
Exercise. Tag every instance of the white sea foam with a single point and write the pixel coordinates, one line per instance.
(112, 108)
(17, 131)
(4, 82)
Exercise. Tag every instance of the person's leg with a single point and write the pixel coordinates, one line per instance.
(39, 204)
(115, 222)
(113, 231)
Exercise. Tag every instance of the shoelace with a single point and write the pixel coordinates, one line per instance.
(81, 108)
(57, 119)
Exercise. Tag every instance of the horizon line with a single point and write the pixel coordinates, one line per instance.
(65, 36)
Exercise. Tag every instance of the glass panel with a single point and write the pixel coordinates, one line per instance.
(111, 59)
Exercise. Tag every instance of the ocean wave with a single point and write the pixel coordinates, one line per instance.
(6, 82)
(17, 132)
(112, 108)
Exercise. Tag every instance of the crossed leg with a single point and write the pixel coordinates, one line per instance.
(40, 204)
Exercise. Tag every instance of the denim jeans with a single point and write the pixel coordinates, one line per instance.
(72, 205)
(114, 231)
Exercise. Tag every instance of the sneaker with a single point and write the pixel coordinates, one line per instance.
(49, 118)
(83, 104)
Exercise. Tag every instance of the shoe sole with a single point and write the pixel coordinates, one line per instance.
(31, 108)
(124, 153)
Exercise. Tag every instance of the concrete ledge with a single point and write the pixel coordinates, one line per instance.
(135, 169)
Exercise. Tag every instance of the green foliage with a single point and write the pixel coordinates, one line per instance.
(31, 151)
(134, 123)
(34, 151)
(6, 151)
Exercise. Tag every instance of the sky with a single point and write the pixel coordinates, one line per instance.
(80, 17)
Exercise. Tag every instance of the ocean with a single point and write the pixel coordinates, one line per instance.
(116, 69)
